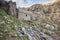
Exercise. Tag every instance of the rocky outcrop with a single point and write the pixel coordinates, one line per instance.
(12, 9)
(32, 33)
(36, 12)
(35, 34)
(30, 28)
(29, 14)
(48, 26)
(50, 11)
(36, 8)
(9, 7)
(53, 11)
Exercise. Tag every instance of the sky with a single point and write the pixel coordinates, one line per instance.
(28, 3)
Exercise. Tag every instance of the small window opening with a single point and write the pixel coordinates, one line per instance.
(26, 14)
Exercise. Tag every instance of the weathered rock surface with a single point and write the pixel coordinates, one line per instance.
(50, 11)
(17, 30)
(48, 26)
(31, 14)
(35, 34)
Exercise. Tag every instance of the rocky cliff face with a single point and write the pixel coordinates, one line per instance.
(39, 22)
(50, 11)
(13, 29)
(33, 13)
(53, 11)
(9, 7)
(46, 17)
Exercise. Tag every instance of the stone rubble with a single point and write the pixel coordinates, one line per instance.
(34, 34)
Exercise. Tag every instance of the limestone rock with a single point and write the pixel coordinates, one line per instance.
(35, 34)
(49, 27)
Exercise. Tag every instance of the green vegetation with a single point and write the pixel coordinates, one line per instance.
(24, 37)
(47, 33)
(3, 29)
(28, 23)
(58, 29)
(8, 23)
(2, 13)
(47, 21)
